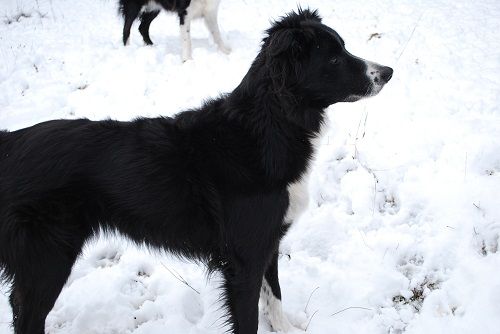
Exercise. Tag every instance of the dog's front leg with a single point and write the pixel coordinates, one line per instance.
(185, 24)
(242, 288)
(270, 298)
(251, 236)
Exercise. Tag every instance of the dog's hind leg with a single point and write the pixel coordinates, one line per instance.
(37, 287)
(15, 304)
(42, 255)
(130, 13)
(146, 19)
(212, 26)
(38, 291)
(270, 297)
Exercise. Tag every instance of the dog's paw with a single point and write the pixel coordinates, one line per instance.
(186, 56)
(225, 49)
(282, 325)
(192, 306)
(279, 321)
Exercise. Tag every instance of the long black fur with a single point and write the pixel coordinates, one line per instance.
(209, 184)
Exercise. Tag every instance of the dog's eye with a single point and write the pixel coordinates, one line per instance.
(335, 61)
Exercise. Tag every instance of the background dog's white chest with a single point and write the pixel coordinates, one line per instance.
(198, 8)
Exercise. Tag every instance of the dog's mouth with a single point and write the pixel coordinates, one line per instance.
(353, 98)
(372, 89)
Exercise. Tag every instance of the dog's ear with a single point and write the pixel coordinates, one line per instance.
(287, 41)
(290, 35)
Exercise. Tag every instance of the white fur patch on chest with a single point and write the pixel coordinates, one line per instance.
(298, 192)
(198, 8)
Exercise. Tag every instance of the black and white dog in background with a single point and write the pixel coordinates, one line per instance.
(187, 10)
(218, 184)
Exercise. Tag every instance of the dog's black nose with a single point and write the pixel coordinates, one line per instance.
(386, 73)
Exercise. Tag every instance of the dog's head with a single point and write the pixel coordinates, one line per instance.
(309, 60)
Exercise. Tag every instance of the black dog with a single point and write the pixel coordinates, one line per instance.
(217, 184)
(185, 9)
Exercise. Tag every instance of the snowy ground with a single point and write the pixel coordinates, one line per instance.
(402, 234)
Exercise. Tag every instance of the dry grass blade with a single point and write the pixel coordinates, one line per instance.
(179, 278)
(310, 319)
(411, 36)
(310, 296)
(351, 307)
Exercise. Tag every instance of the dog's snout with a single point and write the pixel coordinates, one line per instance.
(379, 74)
(386, 73)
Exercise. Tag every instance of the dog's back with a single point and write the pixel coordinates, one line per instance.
(75, 174)
(3, 137)
(66, 158)
(170, 5)
(32, 155)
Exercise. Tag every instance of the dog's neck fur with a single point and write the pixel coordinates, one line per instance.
(286, 154)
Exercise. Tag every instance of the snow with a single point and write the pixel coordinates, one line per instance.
(403, 228)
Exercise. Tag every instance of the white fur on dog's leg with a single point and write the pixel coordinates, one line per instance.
(186, 40)
(271, 306)
(213, 27)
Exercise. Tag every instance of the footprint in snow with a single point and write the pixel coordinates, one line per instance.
(192, 307)
(107, 257)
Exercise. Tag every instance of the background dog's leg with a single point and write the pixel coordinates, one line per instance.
(130, 13)
(185, 23)
(270, 297)
(242, 299)
(213, 27)
(146, 19)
